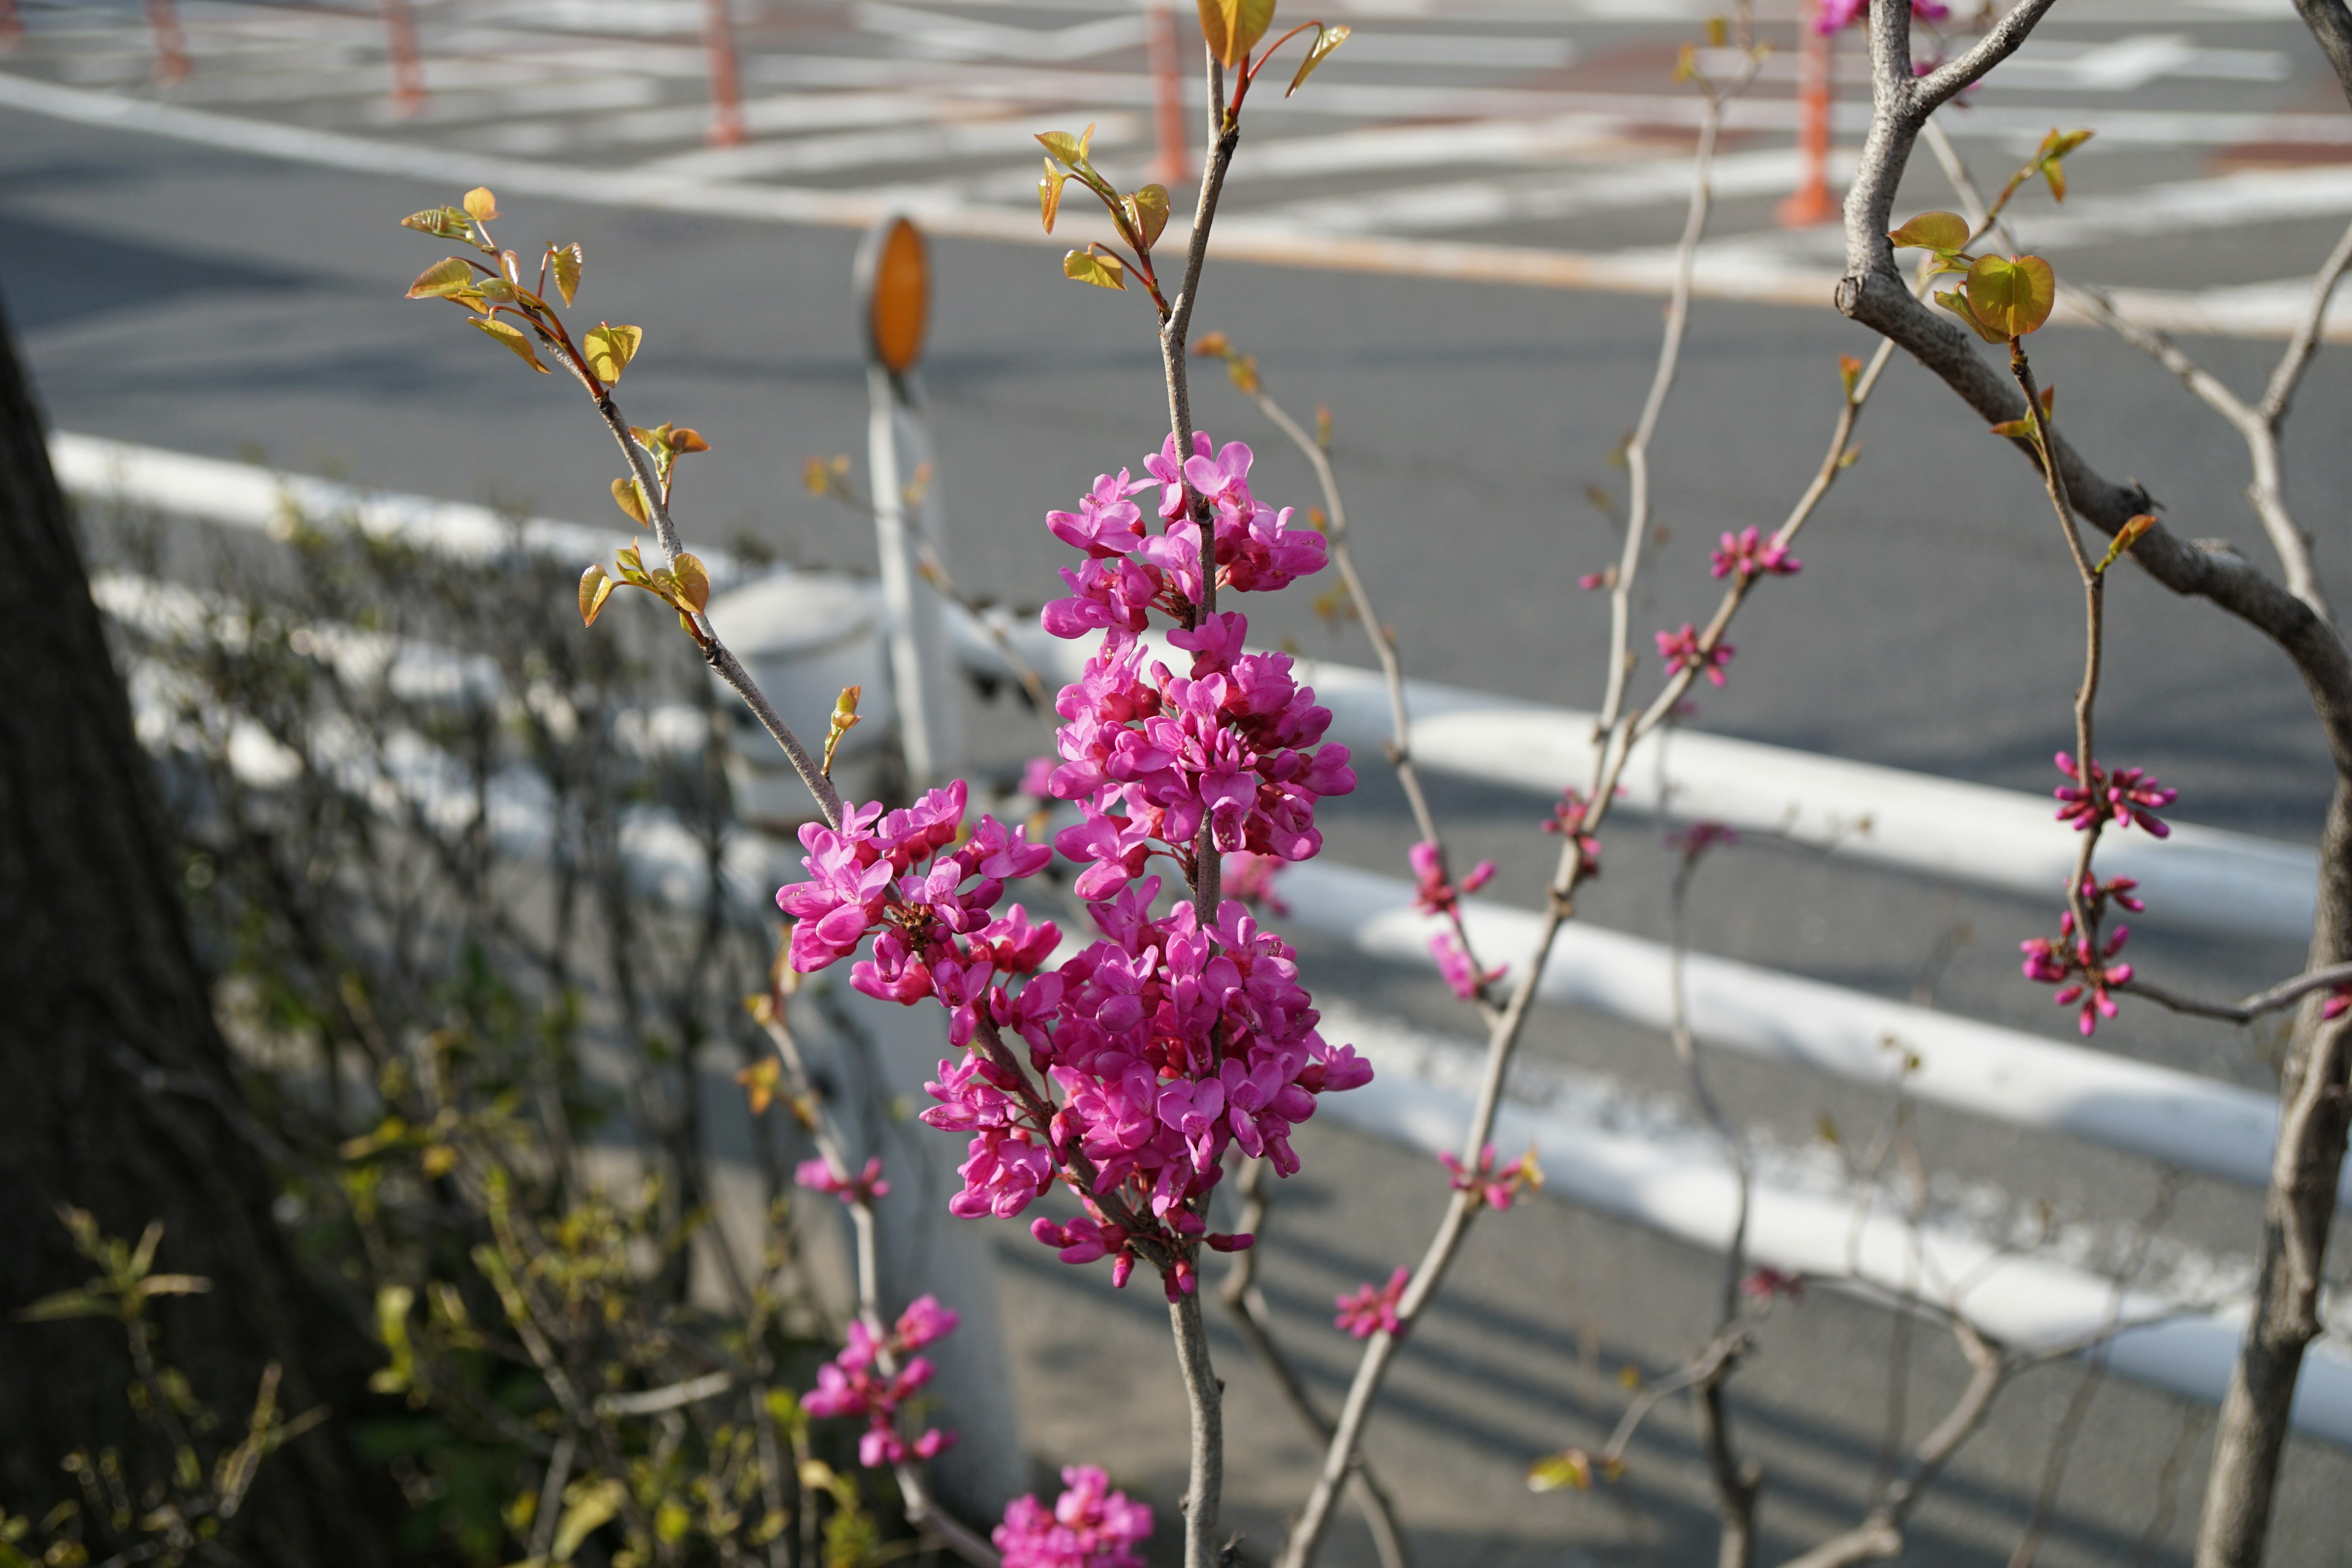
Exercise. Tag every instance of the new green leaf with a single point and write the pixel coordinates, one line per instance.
(1940, 232)
(512, 338)
(1049, 193)
(1326, 40)
(443, 277)
(594, 589)
(1102, 271)
(2011, 295)
(568, 261)
(1147, 211)
(611, 348)
(1232, 27)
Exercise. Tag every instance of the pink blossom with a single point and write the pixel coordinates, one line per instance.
(1569, 814)
(2126, 796)
(1460, 971)
(2084, 976)
(1435, 891)
(1837, 14)
(856, 1382)
(1765, 1283)
(863, 1187)
(2338, 1003)
(1163, 1045)
(1371, 1309)
(1090, 1526)
(1748, 554)
(1701, 837)
(1496, 1189)
(1592, 580)
(1680, 650)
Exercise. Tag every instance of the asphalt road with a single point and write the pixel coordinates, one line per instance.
(203, 300)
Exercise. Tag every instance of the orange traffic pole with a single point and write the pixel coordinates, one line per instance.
(1172, 164)
(170, 44)
(408, 71)
(726, 84)
(1812, 202)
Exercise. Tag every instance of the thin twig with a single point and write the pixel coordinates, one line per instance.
(2286, 993)
(1247, 1304)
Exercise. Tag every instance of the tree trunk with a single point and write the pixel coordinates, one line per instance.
(117, 1086)
(2297, 1214)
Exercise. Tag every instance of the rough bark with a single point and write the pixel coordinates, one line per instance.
(117, 1085)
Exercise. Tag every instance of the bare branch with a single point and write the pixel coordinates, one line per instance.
(2286, 993)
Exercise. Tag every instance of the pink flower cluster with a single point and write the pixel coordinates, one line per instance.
(1569, 814)
(863, 1187)
(2125, 796)
(1372, 1308)
(1835, 16)
(1750, 554)
(1163, 1045)
(856, 1384)
(1496, 1189)
(1460, 971)
(1149, 755)
(1435, 890)
(1090, 1526)
(1680, 650)
(1128, 572)
(2084, 976)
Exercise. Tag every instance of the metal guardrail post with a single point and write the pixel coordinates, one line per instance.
(893, 286)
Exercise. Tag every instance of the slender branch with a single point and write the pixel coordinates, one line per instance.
(714, 653)
(1399, 744)
(1737, 1485)
(923, 1510)
(1503, 1031)
(1241, 1297)
(2289, 371)
(2286, 993)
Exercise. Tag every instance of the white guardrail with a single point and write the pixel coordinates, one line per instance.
(1997, 839)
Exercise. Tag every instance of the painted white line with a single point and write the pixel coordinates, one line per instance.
(1756, 273)
(1998, 1074)
(961, 37)
(1456, 205)
(1421, 1096)
(1009, 137)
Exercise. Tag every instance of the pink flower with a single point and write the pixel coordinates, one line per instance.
(863, 1187)
(854, 1383)
(1592, 580)
(1495, 1188)
(1371, 1309)
(1701, 837)
(1748, 554)
(1090, 1526)
(2126, 796)
(2338, 1003)
(1460, 972)
(1568, 815)
(2068, 962)
(1837, 14)
(1434, 892)
(1152, 1051)
(1680, 650)
(1765, 1283)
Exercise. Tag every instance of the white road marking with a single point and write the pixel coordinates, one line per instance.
(1010, 136)
(959, 38)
